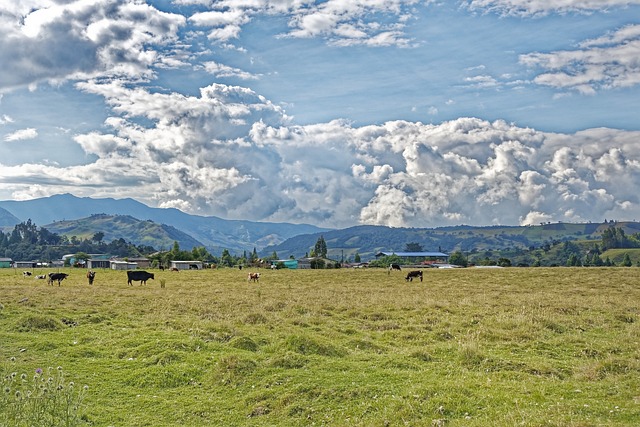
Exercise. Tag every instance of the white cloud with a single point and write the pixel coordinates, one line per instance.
(544, 7)
(78, 39)
(332, 174)
(608, 62)
(22, 134)
(224, 71)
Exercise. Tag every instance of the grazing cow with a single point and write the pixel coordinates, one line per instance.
(138, 276)
(174, 269)
(59, 277)
(412, 275)
(41, 276)
(26, 273)
(253, 277)
(394, 267)
(91, 275)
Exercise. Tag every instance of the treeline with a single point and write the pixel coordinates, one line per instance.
(615, 238)
(28, 242)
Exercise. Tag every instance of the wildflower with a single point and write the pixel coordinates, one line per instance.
(38, 371)
(23, 377)
(13, 359)
(7, 390)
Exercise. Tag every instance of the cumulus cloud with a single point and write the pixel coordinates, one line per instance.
(607, 62)
(19, 135)
(78, 39)
(544, 7)
(334, 174)
(339, 22)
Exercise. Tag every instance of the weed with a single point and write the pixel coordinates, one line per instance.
(44, 398)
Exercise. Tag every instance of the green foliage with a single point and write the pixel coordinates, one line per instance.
(458, 258)
(320, 249)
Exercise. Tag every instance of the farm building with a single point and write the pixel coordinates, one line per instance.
(5, 262)
(291, 264)
(24, 264)
(418, 257)
(187, 265)
(141, 262)
(99, 261)
(123, 265)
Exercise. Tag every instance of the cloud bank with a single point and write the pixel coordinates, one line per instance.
(229, 151)
(334, 174)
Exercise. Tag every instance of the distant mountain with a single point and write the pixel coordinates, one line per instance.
(369, 240)
(148, 233)
(7, 219)
(214, 233)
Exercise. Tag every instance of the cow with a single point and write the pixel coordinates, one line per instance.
(138, 276)
(26, 273)
(253, 277)
(41, 276)
(59, 277)
(91, 275)
(412, 275)
(393, 267)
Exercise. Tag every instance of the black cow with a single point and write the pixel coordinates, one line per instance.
(91, 275)
(412, 275)
(138, 276)
(57, 277)
(394, 267)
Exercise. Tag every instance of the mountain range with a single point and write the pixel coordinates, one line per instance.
(137, 223)
(211, 232)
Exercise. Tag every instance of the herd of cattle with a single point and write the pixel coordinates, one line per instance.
(142, 276)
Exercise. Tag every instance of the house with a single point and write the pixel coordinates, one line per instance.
(5, 262)
(186, 265)
(418, 257)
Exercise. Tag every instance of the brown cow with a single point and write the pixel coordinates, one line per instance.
(253, 277)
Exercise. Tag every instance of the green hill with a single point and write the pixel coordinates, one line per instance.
(369, 240)
(148, 233)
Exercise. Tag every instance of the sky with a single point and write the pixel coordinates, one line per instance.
(402, 113)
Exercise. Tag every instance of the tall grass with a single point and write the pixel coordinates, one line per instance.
(473, 347)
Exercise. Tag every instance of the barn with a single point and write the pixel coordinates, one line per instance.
(5, 262)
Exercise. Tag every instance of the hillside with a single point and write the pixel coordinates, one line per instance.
(214, 233)
(7, 219)
(147, 233)
(369, 240)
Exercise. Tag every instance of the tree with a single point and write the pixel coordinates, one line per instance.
(413, 247)
(356, 258)
(626, 262)
(320, 248)
(97, 237)
(458, 258)
(81, 256)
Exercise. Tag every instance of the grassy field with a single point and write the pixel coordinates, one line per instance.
(467, 347)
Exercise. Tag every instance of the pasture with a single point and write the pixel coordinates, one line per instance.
(466, 347)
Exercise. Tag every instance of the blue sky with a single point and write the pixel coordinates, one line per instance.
(335, 113)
